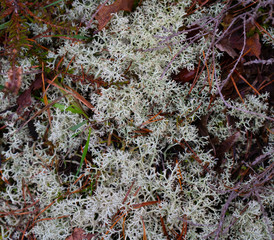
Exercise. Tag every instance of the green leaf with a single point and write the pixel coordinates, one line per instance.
(74, 128)
(80, 37)
(74, 109)
(53, 3)
(60, 106)
(84, 153)
(4, 25)
(76, 134)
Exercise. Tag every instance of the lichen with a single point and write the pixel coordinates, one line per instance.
(130, 50)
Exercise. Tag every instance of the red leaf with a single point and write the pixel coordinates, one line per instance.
(38, 83)
(24, 100)
(79, 234)
(15, 80)
(185, 76)
(253, 44)
(104, 14)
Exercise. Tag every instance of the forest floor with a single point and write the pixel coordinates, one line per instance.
(46, 92)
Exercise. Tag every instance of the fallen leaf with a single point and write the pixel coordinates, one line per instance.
(227, 20)
(229, 91)
(79, 234)
(224, 46)
(184, 76)
(32, 130)
(191, 32)
(224, 147)
(38, 83)
(24, 100)
(227, 144)
(231, 42)
(253, 45)
(15, 79)
(104, 14)
(203, 131)
(235, 39)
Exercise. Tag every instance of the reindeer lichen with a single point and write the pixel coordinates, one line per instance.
(153, 150)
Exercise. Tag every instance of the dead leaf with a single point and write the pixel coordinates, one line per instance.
(203, 131)
(32, 130)
(184, 76)
(79, 234)
(15, 80)
(224, 147)
(231, 42)
(37, 83)
(224, 46)
(104, 14)
(235, 40)
(227, 20)
(24, 100)
(227, 144)
(253, 44)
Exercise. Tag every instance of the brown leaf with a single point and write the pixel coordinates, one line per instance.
(253, 44)
(231, 42)
(224, 46)
(228, 143)
(203, 131)
(104, 14)
(38, 83)
(236, 41)
(229, 91)
(15, 80)
(227, 20)
(24, 100)
(79, 234)
(224, 147)
(184, 76)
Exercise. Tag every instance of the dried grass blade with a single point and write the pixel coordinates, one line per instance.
(144, 229)
(236, 88)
